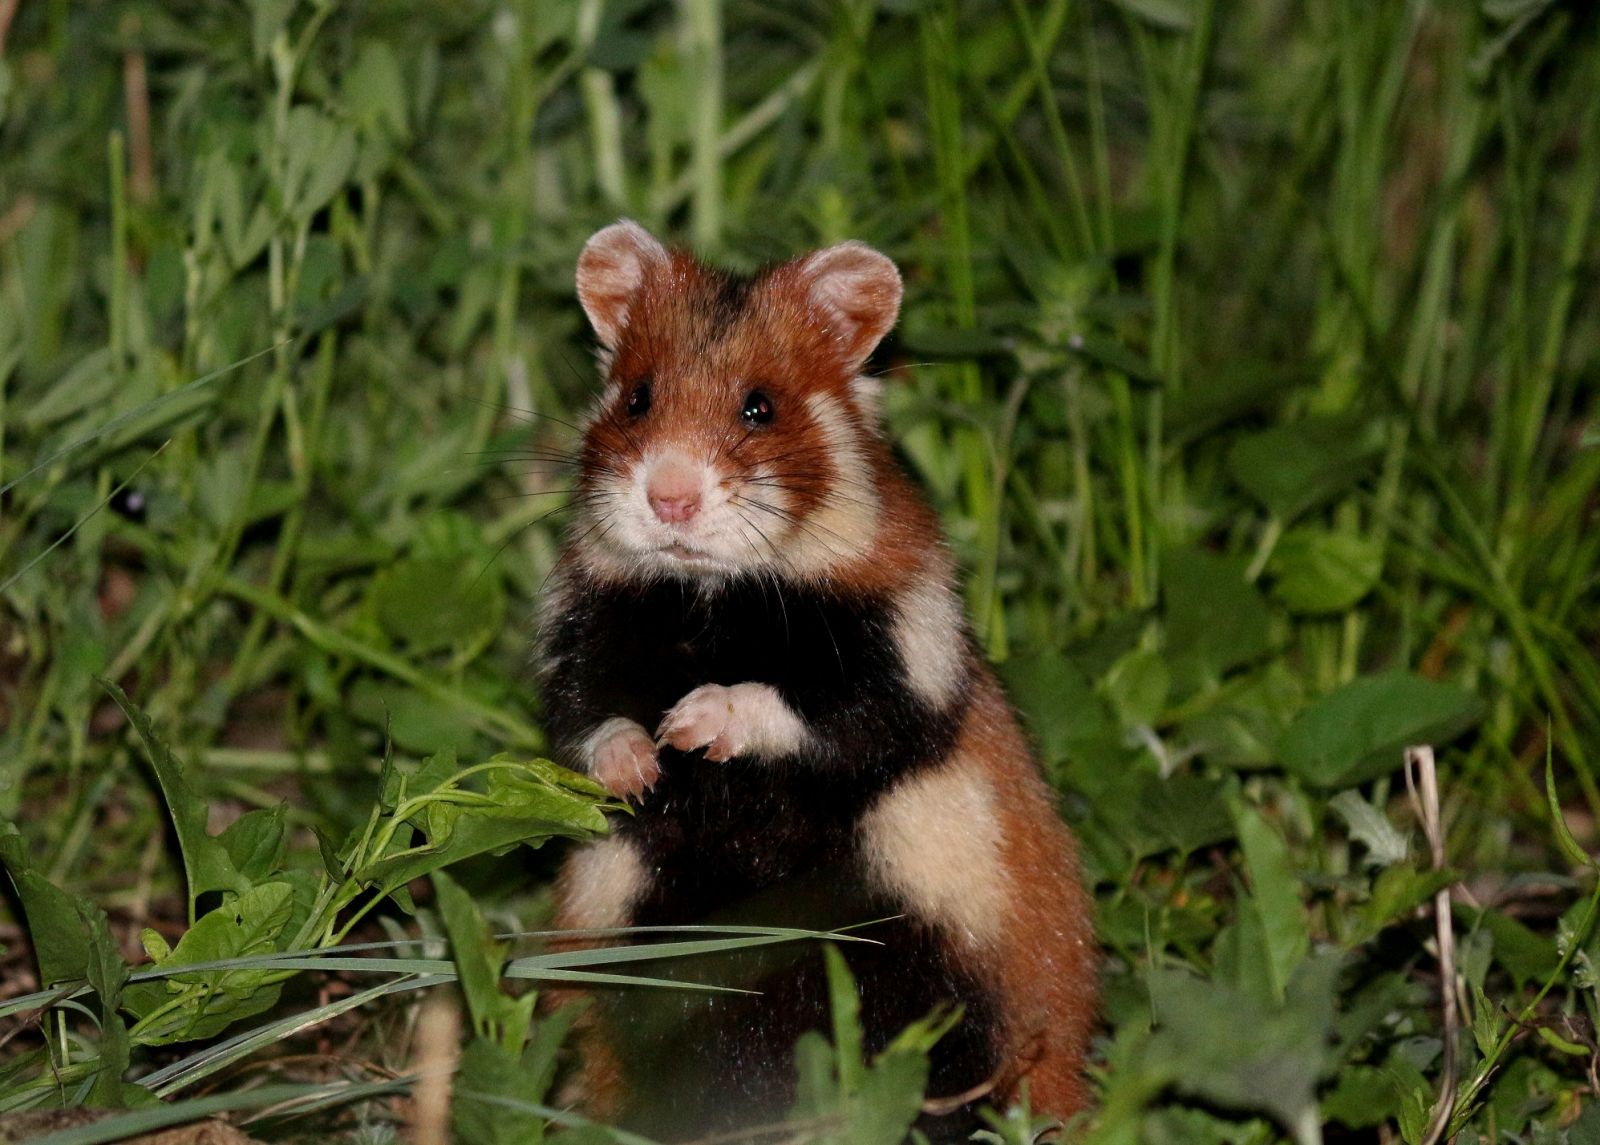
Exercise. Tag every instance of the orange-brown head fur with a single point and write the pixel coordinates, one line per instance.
(677, 480)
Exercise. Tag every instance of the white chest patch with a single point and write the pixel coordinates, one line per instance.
(928, 635)
(603, 881)
(933, 841)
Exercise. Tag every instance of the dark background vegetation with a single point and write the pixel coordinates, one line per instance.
(1249, 351)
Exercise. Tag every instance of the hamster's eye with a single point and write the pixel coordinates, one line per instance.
(639, 400)
(758, 408)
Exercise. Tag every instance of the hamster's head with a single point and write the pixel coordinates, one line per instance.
(735, 433)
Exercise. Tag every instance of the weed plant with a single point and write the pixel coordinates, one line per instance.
(1249, 351)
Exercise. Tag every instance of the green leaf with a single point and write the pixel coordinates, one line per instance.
(1295, 467)
(1137, 687)
(1358, 732)
(1396, 893)
(213, 999)
(206, 863)
(432, 604)
(1558, 819)
(479, 962)
(56, 927)
(1275, 895)
(1386, 844)
(1214, 619)
(107, 973)
(1317, 571)
(1526, 955)
(321, 154)
(491, 1069)
(375, 90)
(844, 1004)
(1062, 709)
(1274, 1070)
(255, 843)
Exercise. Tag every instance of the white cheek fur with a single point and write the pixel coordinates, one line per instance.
(843, 527)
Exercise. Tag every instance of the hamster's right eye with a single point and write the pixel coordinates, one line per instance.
(639, 400)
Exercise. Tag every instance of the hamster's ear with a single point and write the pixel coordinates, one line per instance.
(611, 269)
(859, 290)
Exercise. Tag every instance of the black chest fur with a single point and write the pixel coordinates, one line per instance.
(717, 833)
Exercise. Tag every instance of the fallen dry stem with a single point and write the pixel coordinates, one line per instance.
(1422, 781)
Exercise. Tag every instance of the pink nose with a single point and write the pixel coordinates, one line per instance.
(674, 493)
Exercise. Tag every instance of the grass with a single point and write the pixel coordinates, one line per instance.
(1249, 352)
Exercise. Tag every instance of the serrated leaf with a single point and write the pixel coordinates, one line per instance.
(1386, 844)
(206, 864)
(215, 998)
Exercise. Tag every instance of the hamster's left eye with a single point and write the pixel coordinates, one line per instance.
(639, 400)
(758, 408)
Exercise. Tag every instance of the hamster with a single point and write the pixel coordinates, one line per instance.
(753, 635)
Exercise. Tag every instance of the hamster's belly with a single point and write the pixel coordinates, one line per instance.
(762, 844)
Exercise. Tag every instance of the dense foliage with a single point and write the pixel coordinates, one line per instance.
(1249, 350)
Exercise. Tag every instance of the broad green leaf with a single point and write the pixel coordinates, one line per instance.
(56, 927)
(255, 842)
(1527, 955)
(1214, 619)
(375, 91)
(416, 722)
(1318, 571)
(1358, 732)
(1062, 710)
(1273, 1056)
(206, 863)
(481, 835)
(1295, 467)
(491, 1069)
(435, 603)
(1137, 687)
(107, 973)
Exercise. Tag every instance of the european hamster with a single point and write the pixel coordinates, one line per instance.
(753, 635)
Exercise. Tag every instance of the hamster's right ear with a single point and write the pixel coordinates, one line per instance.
(610, 271)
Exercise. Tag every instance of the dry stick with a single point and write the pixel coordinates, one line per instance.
(8, 10)
(433, 1064)
(1426, 805)
(136, 92)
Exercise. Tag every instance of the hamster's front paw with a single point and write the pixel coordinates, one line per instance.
(622, 758)
(746, 719)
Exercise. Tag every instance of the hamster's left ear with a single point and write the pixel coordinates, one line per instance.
(859, 290)
(611, 270)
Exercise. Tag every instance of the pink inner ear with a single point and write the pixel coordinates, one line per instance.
(860, 290)
(611, 270)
